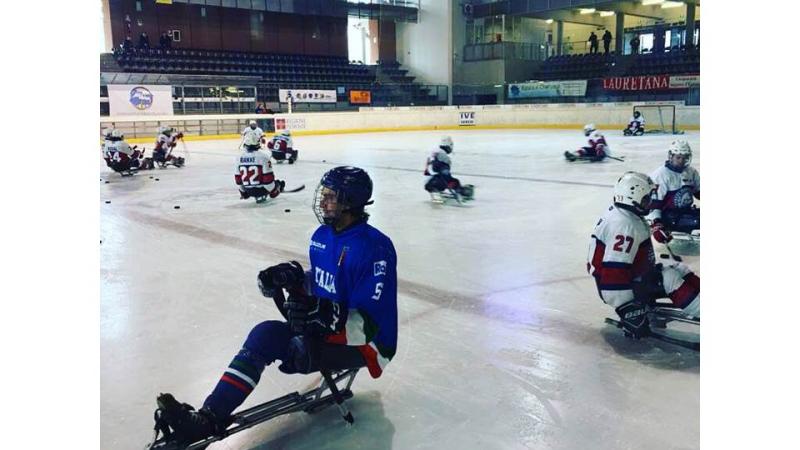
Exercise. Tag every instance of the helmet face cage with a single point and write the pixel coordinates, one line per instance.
(342, 189)
(588, 128)
(446, 143)
(680, 148)
(326, 212)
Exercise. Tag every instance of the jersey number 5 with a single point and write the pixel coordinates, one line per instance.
(621, 241)
(378, 291)
(250, 175)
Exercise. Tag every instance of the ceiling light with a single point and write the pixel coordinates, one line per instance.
(666, 5)
(651, 2)
(549, 21)
(606, 13)
(587, 10)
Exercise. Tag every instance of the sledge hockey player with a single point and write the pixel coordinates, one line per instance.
(341, 314)
(437, 169)
(622, 261)
(252, 136)
(120, 157)
(673, 208)
(635, 126)
(597, 149)
(282, 147)
(166, 140)
(254, 174)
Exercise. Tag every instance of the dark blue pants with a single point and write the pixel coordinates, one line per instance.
(267, 342)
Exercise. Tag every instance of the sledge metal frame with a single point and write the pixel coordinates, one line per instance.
(665, 315)
(309, 402)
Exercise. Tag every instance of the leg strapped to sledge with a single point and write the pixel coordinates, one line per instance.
(309, 402)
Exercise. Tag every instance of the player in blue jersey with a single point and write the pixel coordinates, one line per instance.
(341, 314)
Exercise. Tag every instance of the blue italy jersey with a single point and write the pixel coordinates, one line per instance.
(357, 269)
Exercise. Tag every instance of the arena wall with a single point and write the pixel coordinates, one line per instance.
(606, 116)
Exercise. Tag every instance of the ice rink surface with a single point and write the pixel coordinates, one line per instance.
(502, 343)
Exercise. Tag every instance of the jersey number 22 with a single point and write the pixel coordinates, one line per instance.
(250, 175)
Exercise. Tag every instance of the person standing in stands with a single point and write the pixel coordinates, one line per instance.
(144, 41)
(165, 42)
(635, 45)
(127, 25)
(127, 45)
(592, 43)
(606, 41)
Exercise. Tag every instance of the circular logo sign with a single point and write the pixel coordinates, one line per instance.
(683, 197)
(141, 97)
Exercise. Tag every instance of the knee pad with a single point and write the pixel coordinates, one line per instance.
(302, 355)
(268, 340)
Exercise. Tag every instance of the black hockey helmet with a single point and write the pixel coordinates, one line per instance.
(352, 188)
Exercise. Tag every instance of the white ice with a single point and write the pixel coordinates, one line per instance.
(502, 343)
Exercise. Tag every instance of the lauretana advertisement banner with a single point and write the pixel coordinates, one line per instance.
(651, 82)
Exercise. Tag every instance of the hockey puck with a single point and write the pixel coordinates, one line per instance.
(156, 179)
(287, 210)
(151, 178)
(177, 207)
(323, 160)
(108, 201)
(106, 181)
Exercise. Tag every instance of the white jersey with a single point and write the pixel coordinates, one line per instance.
(676, 190)
(621, 251)
(254, 169)
(639, 120)
(598, 142)
(163, 142)
(252, 136)
(112, 149)
(438, 155)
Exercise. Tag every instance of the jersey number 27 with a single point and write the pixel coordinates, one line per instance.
(621, 241)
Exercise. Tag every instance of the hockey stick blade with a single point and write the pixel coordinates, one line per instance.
(621, 158)
(670, 340)
(297, 189)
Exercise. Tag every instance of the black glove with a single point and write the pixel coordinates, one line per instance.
(313, 315)
(634, 320)
(284, 275)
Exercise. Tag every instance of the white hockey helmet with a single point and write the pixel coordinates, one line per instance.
(634, 192)
(588, 128)
(107, 132)
(680, 147)
(446, 143)
(117, 134)
(165, 130)
(286, 133)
